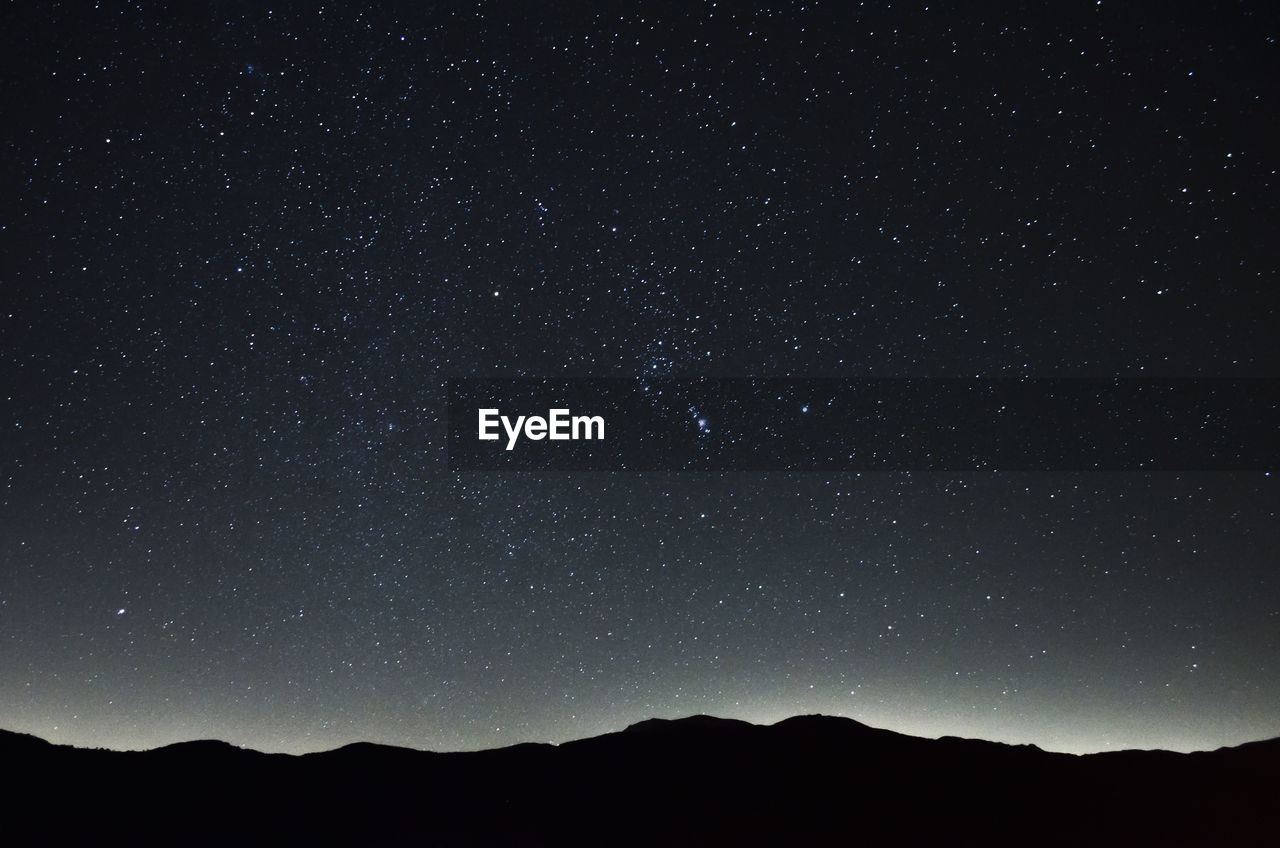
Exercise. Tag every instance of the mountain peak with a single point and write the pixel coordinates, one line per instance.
(688, 723)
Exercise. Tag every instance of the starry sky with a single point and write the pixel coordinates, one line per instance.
(243, 246)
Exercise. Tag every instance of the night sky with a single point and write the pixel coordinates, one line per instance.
(242, 247)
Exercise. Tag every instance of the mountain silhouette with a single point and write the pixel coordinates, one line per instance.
(809, 780)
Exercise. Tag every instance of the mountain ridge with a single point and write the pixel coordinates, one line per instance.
(682, 724)
(699, 780)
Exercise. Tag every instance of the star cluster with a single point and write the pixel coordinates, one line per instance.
(244, 247)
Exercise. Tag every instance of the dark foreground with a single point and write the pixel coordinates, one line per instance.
(699, 781)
